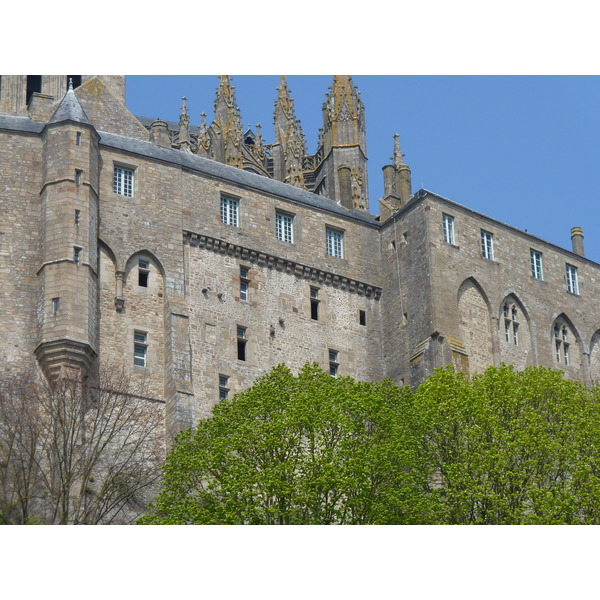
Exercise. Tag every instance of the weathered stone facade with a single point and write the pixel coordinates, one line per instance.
(200, 257)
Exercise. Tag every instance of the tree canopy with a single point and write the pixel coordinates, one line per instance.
(504, 447)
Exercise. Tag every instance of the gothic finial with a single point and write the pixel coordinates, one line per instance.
(70, 84)
(184, 122)
(398, 157)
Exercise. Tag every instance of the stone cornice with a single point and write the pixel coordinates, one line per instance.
(291, 267)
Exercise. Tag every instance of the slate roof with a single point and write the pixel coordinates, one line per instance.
(232, 174)
(69, 110)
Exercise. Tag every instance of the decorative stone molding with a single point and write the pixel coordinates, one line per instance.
(282, 264)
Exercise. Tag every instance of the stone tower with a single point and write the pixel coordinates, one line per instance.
(342, 174)
(68, 274)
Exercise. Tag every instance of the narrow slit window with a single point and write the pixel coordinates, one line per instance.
(241, 343)
(76, 255)
(55, 305)
(244, 283)
(143, 273)
(362, 317)
(78, 138)
(77, 216)
(77, 177)
(223, 387)
(314, 304)
(140, 349)
(333, 363)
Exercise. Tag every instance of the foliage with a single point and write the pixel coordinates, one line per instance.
(76, 451)
(505, 447)
(310, 449)
(511, 447)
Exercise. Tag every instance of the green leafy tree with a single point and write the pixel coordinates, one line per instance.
(311, 449)
(510, 447)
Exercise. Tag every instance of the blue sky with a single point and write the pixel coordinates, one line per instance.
(521, 149)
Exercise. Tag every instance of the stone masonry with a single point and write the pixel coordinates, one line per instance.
(200, 257)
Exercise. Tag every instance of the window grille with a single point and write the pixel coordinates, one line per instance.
(284, 227)
(536, 265)
(572, 283)
(448, 223)
(487, 245)
(123, 182)
(229, 211)
(335, 243)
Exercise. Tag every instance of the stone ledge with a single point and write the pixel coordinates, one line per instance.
(281, 264)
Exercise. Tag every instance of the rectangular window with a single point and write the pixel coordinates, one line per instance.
(515, 334)
(223, 387)
(229, 211)
(566, 351)
(572, 283)
(244, 283)
(333, 363)
(143, 272)
(123, 182)
(55, 305)
(241, 343)
(362, 317)
(536, 264)
(78, 176)
(284, 227)
(487, 245)
(314, 304)
(335, 242)
(78, 138)
(77, 216)
(140, 348)
(507, 331)
(557, 345)
(448, 223)
(76, 255)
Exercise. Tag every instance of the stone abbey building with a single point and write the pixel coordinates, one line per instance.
(200, 256)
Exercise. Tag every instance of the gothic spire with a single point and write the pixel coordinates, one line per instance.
(398, 158)
(228, 123)
(290, 146)
(184, 127)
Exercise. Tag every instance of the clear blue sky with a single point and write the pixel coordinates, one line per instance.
(522, 149)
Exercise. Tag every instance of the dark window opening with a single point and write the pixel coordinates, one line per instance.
(76, 81)
(362, 316)
(241, 349)
(77, 216)
(314, 304)
(143, 272)
(314, 310)
(241, 343)
(34, 84)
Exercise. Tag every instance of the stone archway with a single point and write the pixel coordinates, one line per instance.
(475, 325)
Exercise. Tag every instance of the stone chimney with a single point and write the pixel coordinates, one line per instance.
(577, 240)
